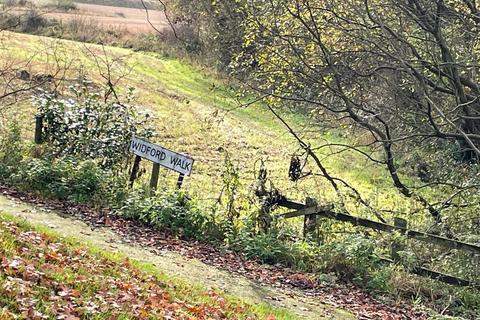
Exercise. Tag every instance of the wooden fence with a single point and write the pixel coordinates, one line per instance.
(311, 211)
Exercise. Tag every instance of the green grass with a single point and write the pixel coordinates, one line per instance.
(196, 113)
(38, 264)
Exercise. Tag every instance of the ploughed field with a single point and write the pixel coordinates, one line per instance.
(121, 18)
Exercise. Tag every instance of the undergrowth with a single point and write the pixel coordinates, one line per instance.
(62, 170)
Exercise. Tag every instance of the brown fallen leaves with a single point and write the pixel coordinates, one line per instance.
(348, 297)
(42, 278)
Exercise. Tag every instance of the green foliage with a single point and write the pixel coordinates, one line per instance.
(265, 247)
(216, 29)
(62, 179)
(380, 280)
(170, 211)
(80, 181)
(351, 258)
(12, 149)
(89, 127)
(231, 185)
(64, 5)
(468, 302)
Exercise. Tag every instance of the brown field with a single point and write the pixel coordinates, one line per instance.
(132, 20)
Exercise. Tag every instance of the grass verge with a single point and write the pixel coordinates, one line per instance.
(45, 276)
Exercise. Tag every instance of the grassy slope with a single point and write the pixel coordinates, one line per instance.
(193, 118)
(42, 274)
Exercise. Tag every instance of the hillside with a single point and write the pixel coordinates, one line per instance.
(195, 111)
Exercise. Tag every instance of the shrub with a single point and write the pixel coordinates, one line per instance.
(265, 247)
(351, 258)
(11, 149)
(13, 3)
(32, 21)
(78, 181)
(64, 5)
(170, 211)
(87, 127)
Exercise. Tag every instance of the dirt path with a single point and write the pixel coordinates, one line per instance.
(174, 264)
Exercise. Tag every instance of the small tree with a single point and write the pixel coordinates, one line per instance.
(403, 73)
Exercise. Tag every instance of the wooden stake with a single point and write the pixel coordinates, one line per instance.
(38, 129)
(310, 221)
(180, 180)
(135, 168)
(154, 177)
(396, 245)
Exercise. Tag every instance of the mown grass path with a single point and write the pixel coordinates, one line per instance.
(174, 264)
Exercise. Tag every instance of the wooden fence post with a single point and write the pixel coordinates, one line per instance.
(310, 221)
(135, 168)
(39, 129)
(396, 245)
(154, 177)
(180, 180)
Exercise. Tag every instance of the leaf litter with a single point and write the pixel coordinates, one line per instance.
(346, 296)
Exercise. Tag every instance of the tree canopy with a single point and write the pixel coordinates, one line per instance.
(404, 73)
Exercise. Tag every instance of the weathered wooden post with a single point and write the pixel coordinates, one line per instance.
(397, 246)
(310, 220)
(39, 129)
(180, 180)
(135, 168)
(154, 177)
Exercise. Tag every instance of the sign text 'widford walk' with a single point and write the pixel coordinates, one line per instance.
(166, 158)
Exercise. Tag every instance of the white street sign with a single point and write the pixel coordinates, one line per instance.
(166, 158)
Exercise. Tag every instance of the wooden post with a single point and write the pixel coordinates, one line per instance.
(38, 129)
(154, 177)
(310, 221)
(135, 168)
(180, 180)
(396, 245)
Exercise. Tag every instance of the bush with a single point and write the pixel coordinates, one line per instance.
(64, 5)
(13, 3)
(61, 179)
(170, 211)
(32, 21)
(266, 247)
(351, 258)
(12, 150)
(87, 127)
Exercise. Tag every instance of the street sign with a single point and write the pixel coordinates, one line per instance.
(164, 157)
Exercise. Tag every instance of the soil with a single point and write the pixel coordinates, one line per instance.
(132, 20)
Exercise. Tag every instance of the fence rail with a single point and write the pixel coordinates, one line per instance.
(326, 211)
(302, 210)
